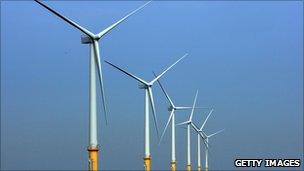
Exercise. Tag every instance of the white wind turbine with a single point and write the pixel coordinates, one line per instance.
(172, 108)
(206, 137)
(148, 99)
(207, 147)
(92, 40)
(200, 134)
(189, 123)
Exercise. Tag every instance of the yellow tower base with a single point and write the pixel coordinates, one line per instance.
(199, 168)
(188, 167)
(147, 163)
(93, 158)
(206, 168)
(173, 165)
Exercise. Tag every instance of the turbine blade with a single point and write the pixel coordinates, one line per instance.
(206, 119)
(164, 91)
(158, 77)
(205, 143)
(193, 107)
(105, 31)
(195, 127)
(203, 133)
(98, 63)
(215, 133)
(170, 117)
(183, 123)
(129, 74)
(153, 110)
(186, 108)
(85, 31)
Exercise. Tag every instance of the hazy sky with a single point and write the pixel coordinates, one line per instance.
(246, 59)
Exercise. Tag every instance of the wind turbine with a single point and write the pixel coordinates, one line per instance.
(147, 86)
(207, 147)
(189, 123)
(92, 40)
(206, 138)
(200, 134)
(172, 108)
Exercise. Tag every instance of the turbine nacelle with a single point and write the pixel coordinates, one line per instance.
(170, 108)
(144, 86)
(85, 39)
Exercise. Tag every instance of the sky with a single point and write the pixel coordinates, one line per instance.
(245, 58)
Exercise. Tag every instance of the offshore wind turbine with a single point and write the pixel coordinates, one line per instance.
(206, 137)
(189, 124)
(200, 134)
(207, 147)
(147, 86)
(172, 108)
(92, 40)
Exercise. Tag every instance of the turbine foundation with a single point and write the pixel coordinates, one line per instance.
(93, 158)
(188, 167)
(173, 165)
(147, 163)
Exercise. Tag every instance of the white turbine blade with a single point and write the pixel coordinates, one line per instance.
(87, 32)
(204, 136)
(98, 63)
(205, 143)
(183, 108)
(203, 133)
(186, 108)
(164, 91)
(206, 119)
(195, 127)
(102, 33)
(170, 117)
(183, 123)
(129, 74)
(158, 77)
(215, 133)
(153, 110)
(193, 107)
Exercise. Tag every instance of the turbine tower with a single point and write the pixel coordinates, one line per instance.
(147, 86)
(189, 124)
(92, 40)
(172, 108)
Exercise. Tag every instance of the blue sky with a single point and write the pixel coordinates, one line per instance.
(246, 59)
